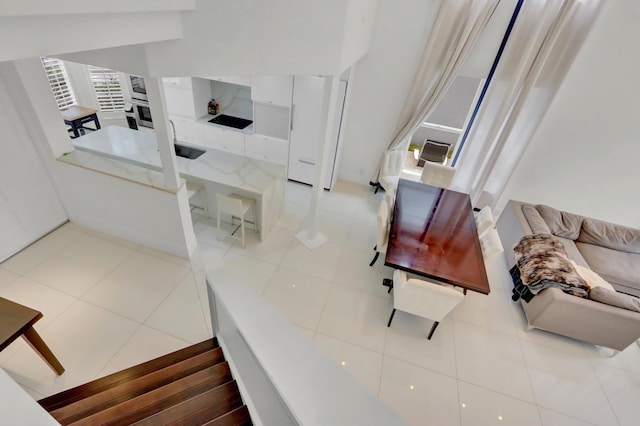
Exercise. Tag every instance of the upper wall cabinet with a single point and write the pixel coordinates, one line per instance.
(179, 82)
(242, 81)
(179, 98)
(277, 89)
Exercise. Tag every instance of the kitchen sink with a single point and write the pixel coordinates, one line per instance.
(187, 152)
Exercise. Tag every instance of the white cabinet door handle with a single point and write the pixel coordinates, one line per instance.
(305, 161)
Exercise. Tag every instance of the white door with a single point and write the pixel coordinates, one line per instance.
(29, 205)
(306, 124)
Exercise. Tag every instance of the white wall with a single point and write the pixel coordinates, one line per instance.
(29, 36)
(268, 37)
(584, 156)
(380, 81)
(29, 204)
(146, 215)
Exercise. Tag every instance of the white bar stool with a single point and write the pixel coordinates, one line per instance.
(236, 206)
(195, 188)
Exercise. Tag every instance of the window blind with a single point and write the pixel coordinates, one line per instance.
(59, 81)
(107, 87)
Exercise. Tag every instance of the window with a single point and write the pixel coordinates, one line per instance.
(59, 82)
(107, 87)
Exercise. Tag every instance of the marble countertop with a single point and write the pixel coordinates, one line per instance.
(140, 149)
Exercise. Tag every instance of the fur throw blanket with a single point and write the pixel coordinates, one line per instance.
(543, 262)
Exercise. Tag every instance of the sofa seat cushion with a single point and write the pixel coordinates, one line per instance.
(613, 298)
(620, 269)
(561, 224)
(610, 235)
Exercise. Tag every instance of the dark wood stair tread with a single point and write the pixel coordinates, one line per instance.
(139, 386)
(238, 417)
(199, 409)
(79, 392)
(159, 399)
(192, 386)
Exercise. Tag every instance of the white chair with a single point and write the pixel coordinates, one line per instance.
(392, 164)
(427, 299)
(437, 175)
(484, 220)
(491, 244)
(195, 188)
(390, 198)
(382, 237)
(236, 206)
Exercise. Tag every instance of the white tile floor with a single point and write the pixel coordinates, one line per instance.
(109, 304)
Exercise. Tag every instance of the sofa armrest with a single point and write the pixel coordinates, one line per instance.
(583, 319)
(512, 226)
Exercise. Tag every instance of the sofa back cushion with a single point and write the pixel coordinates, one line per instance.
(561, 224)
(605, 234)
(536, 222)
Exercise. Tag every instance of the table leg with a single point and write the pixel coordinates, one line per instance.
(74, 128)
(35, 341)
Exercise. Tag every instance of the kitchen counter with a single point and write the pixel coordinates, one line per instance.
(133, 155)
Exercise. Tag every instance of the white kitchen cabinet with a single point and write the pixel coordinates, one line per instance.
(179, 97)
(306, 125)
(179, 82)
(223, 139)
(240, 80)
(271, 120)
(188, 130)
(272, 89)
(179, 102)
(266, 148)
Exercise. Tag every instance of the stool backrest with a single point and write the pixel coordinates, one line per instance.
(229, 205)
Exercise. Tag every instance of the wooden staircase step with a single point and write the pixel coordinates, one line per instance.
(79, 392)
(160, 399)
(200, 409)
(238, 417)
(119, 393)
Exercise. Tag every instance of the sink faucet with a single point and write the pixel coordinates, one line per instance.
(175, 140)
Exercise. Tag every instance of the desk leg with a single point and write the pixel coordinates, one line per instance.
(35, 341)
(95, 120)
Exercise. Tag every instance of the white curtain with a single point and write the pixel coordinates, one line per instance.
(542, 46)
(458, 26)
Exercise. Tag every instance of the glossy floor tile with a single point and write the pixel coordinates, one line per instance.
(124, 303)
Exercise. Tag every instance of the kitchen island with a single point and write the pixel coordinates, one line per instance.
(134, 156)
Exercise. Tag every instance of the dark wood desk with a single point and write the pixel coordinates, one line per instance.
(17, 320)
(76, 116)
(433, 234)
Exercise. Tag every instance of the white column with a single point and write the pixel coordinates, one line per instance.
(164, 135)
(310, 236)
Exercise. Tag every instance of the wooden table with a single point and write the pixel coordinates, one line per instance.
(433, 234)
(76, 116)
(17, 320)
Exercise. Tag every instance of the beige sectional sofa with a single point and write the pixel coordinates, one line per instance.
(612, 251)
